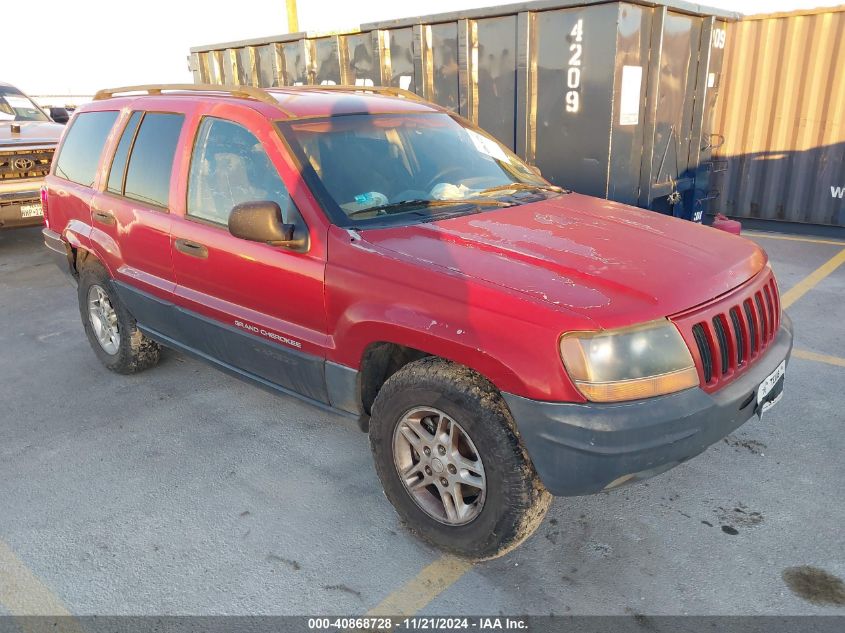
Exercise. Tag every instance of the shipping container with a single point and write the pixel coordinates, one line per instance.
(782, 116)
(611, 99)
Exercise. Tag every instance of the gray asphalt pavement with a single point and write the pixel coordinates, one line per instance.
(182, 490)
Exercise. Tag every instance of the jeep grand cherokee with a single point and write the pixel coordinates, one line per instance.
(501, 339)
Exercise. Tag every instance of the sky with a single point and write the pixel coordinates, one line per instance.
(80, 46)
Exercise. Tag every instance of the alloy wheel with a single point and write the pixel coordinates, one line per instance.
(103, 319)
(439, 465)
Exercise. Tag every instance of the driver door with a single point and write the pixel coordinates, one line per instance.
(252, 308)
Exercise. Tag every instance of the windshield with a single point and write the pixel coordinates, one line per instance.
(371, 166)
(16, 106)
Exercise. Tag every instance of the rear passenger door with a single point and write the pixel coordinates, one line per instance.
(131, 213)
(256, 308)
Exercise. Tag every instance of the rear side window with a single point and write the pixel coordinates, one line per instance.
(121, 155)
(229, 166)
(151, 161)
(83, 145)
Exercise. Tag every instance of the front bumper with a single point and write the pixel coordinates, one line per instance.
(15, 193)
(580, 449)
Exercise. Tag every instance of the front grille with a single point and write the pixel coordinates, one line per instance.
(17, 165)
(739, 336)
(752, 326)
(721, 330)
(764, 318)
(731, 333)
(704, 348)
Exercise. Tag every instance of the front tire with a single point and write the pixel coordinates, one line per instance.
(450, 461)
(111, 330)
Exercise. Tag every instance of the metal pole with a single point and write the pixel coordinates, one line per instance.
(293, 20)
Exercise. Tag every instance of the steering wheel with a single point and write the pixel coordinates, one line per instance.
(440, 176)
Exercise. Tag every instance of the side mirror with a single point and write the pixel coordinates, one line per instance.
(59, 115)
(261, 221)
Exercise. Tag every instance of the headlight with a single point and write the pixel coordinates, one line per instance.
(630, 363)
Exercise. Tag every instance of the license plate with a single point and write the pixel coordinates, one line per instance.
(32, 210)
(770, 390)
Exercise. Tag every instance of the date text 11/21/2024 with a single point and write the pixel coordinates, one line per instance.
(418, 623)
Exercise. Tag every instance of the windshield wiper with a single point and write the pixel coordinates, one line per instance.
(523, 185)
(394, 207)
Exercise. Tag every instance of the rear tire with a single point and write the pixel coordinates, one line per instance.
(431, 401)
(111, 330)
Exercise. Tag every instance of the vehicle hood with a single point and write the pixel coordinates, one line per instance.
(32, 133)
(609, 262)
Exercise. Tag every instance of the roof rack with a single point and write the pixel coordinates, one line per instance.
(251, 92)
(245, 92)
(386, 90)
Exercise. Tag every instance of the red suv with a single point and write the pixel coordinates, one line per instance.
(502, 340)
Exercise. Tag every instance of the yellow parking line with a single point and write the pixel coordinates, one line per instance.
(21, 593)
(821, 358)
(792, 238)
(418, 592)
(802, 287)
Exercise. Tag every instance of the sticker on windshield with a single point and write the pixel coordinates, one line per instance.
(486, 146)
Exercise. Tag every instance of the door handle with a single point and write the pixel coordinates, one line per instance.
(192, 248)
(103, 217)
